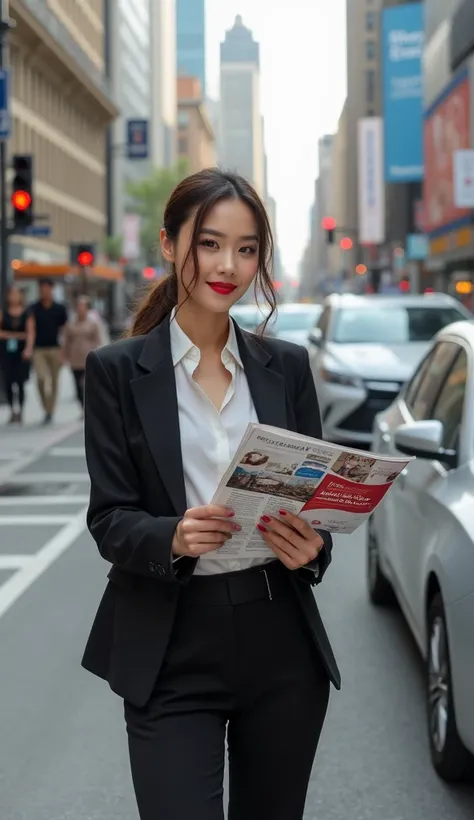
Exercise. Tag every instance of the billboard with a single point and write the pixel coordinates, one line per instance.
(371, 185)
(447, 131)
(402, 95)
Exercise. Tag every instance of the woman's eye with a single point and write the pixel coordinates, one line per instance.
(208, 243)
(248, 250)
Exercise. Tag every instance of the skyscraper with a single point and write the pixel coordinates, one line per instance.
(191, 39)
(241, 134)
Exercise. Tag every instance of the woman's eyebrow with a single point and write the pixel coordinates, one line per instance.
(248, 238)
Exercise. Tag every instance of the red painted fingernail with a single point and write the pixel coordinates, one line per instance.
(262, 529)
(282, 512)
(266, 519)
(230, 513)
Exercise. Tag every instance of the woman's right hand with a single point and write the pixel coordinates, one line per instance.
(203, 529)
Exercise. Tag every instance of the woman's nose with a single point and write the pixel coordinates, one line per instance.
(227, 263)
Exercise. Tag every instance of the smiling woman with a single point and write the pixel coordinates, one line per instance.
(196, 648)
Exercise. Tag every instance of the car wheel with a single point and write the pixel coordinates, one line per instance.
(450, 758)
(380, 588)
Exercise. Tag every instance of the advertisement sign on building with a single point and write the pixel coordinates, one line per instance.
(402, 49)
(371, 186)
(137, 139)
(447, 130)
(464, 178)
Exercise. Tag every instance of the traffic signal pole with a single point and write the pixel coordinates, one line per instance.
(5, 25)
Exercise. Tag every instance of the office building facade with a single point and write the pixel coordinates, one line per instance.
(191, 40)
(196, 140)
(61, 108)
(241, 131)
(130, 72)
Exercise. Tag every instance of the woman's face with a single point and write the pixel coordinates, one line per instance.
(227, 252)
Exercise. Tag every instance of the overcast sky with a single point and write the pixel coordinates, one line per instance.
(303, 85)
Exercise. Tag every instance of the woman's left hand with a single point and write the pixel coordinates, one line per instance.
(292, 540)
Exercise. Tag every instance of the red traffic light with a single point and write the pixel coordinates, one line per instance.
(328, 223)
(85, 259)
(148, 273)
(21, 200)
(404, 285)
(346, 243)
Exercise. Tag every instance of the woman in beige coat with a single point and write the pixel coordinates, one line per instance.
(81, 335)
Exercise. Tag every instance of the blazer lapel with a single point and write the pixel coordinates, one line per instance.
(267, 387)
(157, 406)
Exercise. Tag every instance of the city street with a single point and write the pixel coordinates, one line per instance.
(63, 753)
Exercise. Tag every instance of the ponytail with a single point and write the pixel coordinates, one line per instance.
(159, 301)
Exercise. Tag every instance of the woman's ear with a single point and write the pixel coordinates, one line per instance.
(167, 247)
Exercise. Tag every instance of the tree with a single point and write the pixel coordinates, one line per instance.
(148, 199)
(112, 247)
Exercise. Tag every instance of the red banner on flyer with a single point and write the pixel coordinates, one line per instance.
(336, 493)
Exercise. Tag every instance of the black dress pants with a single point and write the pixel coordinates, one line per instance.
(245, 667)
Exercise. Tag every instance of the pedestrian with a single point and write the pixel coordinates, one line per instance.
(50, 318)
(81, 335)
(17, 334)
(197, 648)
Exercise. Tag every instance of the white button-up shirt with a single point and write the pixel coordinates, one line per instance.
(210, 437)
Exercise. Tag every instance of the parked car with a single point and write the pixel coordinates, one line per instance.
(249, 317)
(293, 321)
(420, 542)
(364, 350)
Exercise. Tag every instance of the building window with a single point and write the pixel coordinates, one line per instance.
(370, 21)
(370, 49)
(370, 85)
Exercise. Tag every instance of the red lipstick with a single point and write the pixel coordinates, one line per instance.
(224, 288)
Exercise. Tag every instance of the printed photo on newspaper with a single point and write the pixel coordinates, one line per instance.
(333, 487)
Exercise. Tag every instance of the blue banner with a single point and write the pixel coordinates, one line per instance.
(402, 49)
(137, 139)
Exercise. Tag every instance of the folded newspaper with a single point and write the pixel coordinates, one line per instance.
(334, 488)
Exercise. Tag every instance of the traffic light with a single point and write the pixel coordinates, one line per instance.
(329, 225)
(84, 255)
(22, 192)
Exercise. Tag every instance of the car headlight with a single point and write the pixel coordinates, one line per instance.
(333, 377)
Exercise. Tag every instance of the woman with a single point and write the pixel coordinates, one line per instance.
(197, 647)
(81, 335)
(17, 337)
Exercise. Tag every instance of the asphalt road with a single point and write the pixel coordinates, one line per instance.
(63, 749)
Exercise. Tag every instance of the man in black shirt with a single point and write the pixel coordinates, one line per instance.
(50, 317)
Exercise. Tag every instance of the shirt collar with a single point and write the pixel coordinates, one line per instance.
(182, 346)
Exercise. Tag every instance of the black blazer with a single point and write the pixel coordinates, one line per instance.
(138, 495)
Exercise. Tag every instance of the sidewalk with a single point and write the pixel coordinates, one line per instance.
(17, 442)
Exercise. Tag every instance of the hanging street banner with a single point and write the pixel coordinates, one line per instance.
(403, 39)
(137, 139)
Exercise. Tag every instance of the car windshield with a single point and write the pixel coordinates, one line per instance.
(392, 325)
(295, 320)
(248, 319)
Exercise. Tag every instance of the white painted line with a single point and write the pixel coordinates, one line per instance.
(43, 500)
(33, 520)
(15, 561)
(49, 441)
(15, 586)
(67, 452)
(46, 478)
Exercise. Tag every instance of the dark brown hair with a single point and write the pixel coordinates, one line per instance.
(199, 193)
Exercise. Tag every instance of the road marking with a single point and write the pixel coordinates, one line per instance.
(15, 561)
(15, 586)
(25, 460)
(43, 500)
(67, 452)
(33, 520)
(43, 478)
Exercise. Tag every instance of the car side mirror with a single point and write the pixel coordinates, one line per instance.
(315, 336)
(424, 439)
